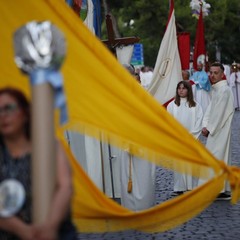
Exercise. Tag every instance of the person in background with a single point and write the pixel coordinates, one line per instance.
(146, 75)
(186, 76)
(137, 76)
(203, 86)
(15, 162)
(217, 121)
(234, 84)
(227, 72)
(137, 178)
(189, 114)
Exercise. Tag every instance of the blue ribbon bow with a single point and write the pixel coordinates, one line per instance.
(40, 76)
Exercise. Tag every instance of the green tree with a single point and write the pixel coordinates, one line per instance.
(222, 29)
(148, 19)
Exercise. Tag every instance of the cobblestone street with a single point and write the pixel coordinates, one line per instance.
(220, 221)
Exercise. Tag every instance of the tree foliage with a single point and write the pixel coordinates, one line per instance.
(148, 19)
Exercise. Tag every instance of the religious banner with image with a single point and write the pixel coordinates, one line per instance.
(167, 70)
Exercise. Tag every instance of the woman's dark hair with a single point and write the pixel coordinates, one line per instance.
(23, 104)
(190, 99)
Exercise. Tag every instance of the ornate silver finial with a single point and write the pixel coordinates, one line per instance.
(39, 45)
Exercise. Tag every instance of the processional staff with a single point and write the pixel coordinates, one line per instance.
(39, 52)
(112, 43)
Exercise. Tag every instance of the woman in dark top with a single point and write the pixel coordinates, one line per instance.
(15, 162)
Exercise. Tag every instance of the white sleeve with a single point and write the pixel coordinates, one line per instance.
(206, 115)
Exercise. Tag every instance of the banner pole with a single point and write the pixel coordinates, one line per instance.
(44, 149)
(39, 52)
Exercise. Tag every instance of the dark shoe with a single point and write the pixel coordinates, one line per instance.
(223, 197)
(177, 193)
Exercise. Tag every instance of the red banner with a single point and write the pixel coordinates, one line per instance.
(199, 46)
(184, 49)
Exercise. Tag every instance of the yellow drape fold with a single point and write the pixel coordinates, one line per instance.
(104, 100)
(102, 214)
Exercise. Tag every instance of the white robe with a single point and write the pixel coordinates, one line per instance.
(218, 120)
(93, 156)
(191, 119)
(227, 72)
(203, 97)
(146, 78)
(143, 182)
(234, 83)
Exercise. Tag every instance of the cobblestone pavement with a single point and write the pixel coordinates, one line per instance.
(220, 221)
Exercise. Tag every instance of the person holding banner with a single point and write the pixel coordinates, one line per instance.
(189, 114)
(15, 163)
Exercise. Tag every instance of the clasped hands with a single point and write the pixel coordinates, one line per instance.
(205, 132)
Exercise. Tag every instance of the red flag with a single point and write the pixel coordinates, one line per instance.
(184, 49)
(199, 46)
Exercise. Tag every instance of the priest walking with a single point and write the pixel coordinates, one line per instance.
(217, 120)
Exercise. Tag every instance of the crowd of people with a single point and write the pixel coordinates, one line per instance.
(204, 104)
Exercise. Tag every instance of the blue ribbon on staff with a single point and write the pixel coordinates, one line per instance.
(55, 79)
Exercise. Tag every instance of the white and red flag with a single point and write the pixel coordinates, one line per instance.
(167, 70)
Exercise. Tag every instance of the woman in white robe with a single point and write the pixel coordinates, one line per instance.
(189, 113)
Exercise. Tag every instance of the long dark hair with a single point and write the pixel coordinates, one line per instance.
(23, 104)
(190, 99)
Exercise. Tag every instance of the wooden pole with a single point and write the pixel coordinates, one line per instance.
(37, 46)
(44, 151)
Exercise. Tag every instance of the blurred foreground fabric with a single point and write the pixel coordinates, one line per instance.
(105, 102)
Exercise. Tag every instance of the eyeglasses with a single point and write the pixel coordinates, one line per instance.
(8, 109)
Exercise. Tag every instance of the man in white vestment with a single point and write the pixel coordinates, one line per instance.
(217, 120)
(203, 87)
(234, 83)
(137, 178)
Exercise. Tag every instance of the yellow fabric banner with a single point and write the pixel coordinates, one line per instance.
(104, 100)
